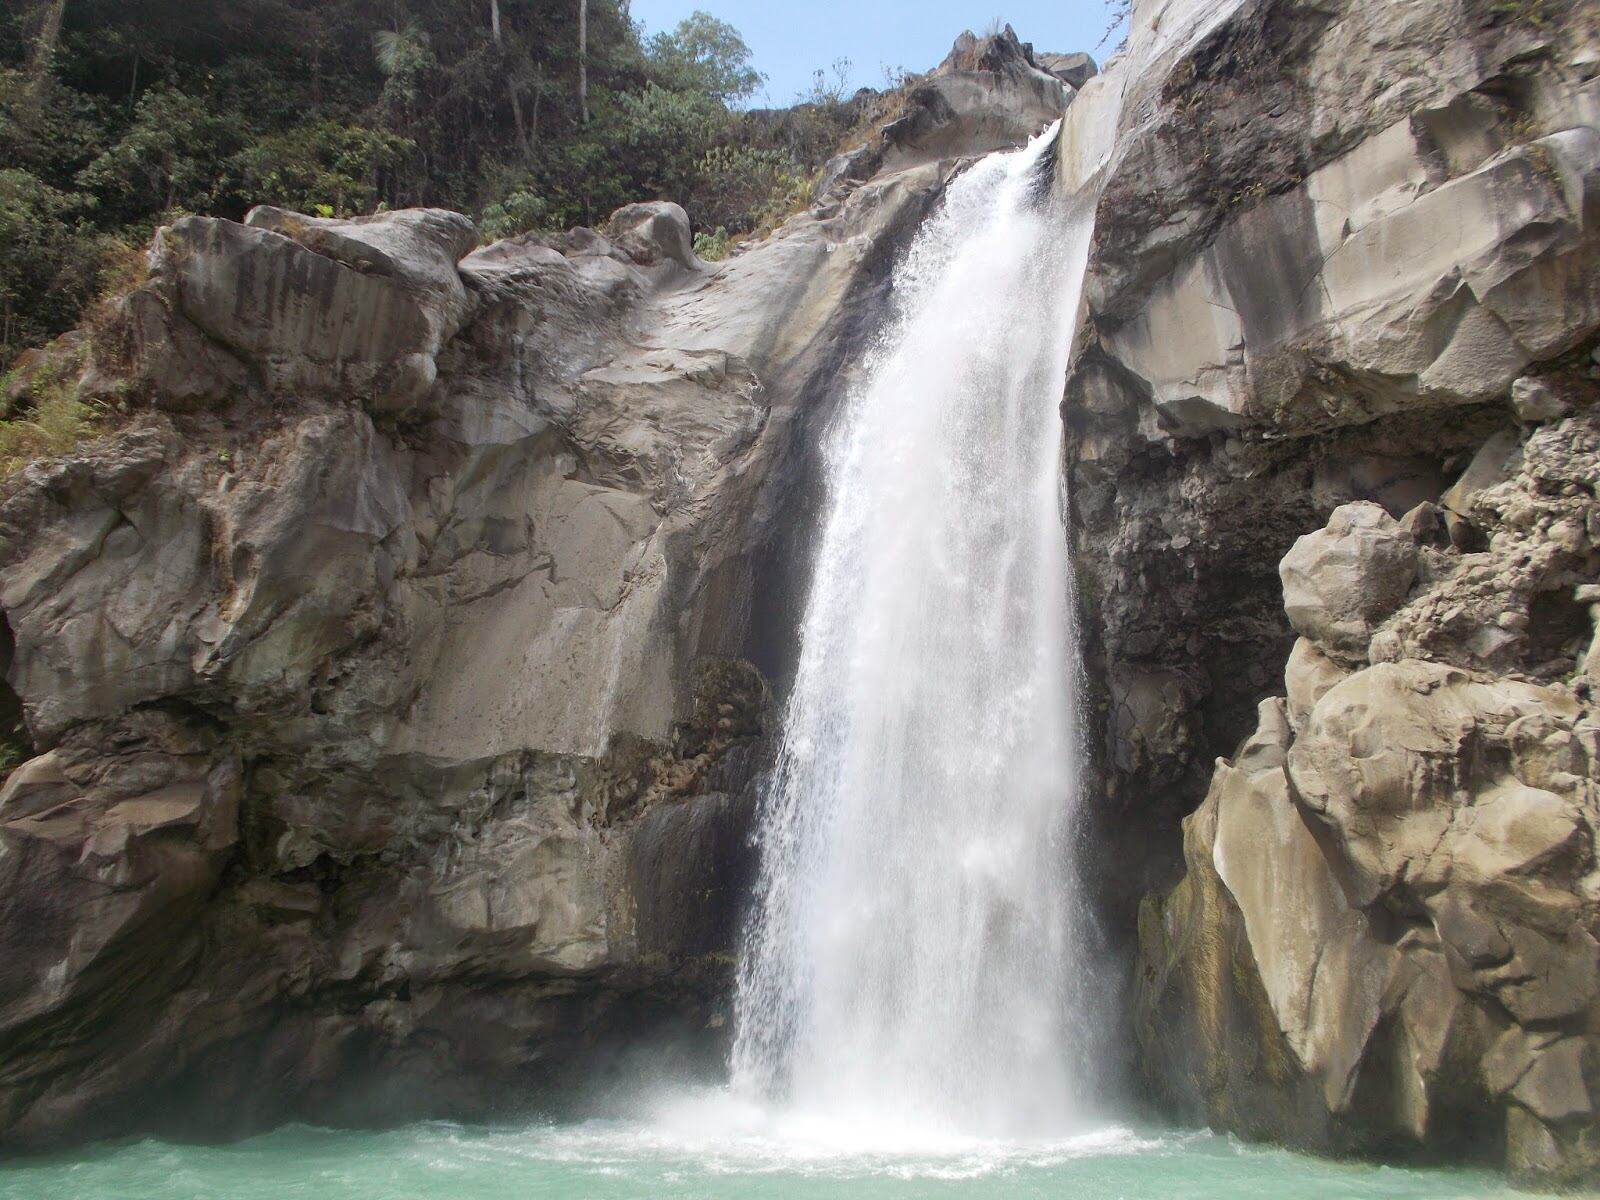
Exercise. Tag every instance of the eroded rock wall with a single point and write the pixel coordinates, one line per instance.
(393, 683)
(1330, 457)
(1333, 239)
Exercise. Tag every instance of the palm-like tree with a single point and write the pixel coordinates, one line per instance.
(399, 50)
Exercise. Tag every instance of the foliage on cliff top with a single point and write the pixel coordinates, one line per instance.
(115, 114)
(40, 413)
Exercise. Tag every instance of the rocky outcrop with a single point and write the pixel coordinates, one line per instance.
(394, 680)
(1387, 934)
(1218, 410)
(1331, 457)
(989, 94)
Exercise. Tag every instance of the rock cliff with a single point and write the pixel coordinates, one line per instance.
(388, 693)
(388, 690)
(1333, 475)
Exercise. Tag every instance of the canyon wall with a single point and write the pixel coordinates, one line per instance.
(1333, 473)
(388, 690)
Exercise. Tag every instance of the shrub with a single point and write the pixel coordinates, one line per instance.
(49, 266)
(521, 209)
(664, 137)
(713, 247)
(49, 419)
(744, 189)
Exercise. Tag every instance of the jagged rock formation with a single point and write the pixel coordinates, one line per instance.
(393, 682)
(990, 93)
(1343, 296)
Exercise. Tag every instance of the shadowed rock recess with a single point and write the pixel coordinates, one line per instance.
(1335, 472)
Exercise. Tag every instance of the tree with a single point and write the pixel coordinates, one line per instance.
(168, 159)
(48, 38)
(49, 266)
(583, 59)
(705, 55)
(320, 167)
(402, 54)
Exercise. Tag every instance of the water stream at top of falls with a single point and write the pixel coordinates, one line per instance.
(916, 959)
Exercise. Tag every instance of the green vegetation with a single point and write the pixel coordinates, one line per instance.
(42, 415)
(116, 115)
(713, 247)
(1522, 12)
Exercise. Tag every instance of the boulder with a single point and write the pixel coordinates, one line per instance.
(654, 233)
(1074, 70)
(1339, 582)
(1533, 400)
(291, 304)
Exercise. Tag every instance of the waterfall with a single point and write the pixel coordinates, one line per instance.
(916, 954)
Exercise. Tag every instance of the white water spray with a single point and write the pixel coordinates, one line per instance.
(916, 957)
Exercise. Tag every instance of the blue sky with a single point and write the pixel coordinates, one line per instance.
(791, 40)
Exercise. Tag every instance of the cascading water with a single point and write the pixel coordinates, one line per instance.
(916, 957)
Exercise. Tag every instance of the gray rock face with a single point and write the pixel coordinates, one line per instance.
(989, 94)
(394, 683)
(1386, 919)
(1218, 412)
(1378, 444)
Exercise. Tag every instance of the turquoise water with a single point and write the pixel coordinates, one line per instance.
(690, 1157)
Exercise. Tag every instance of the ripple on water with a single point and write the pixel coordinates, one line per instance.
(710, 1146)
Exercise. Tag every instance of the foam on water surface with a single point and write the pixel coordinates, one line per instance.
(712, 1146)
